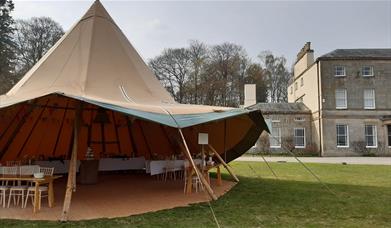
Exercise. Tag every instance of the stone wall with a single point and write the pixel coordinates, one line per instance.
(355, 116)
(287, 123)
(355, 83)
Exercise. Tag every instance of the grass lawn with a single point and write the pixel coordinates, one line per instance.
(295, 199)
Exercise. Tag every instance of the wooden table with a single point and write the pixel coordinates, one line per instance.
(37, 181)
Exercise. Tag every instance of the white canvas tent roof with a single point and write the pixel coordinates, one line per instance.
(95, 62)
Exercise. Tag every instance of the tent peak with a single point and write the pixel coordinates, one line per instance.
(97, 10)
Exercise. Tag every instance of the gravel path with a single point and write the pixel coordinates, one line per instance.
(332, 160)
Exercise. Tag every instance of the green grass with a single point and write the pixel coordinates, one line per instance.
(295, 199)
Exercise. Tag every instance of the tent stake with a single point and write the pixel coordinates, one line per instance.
(71, 183)
(224, 164)
(199, 174)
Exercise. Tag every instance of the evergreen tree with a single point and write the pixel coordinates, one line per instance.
(7, 55)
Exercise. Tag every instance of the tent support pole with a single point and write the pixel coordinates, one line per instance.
(71, 182)
(224, 164)
(199, 174)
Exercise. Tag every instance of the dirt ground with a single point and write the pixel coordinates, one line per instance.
(116, 195)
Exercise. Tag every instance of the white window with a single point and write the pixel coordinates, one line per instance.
(299, 119)
(342, 135)
(340, 99)
(301, 82)
(367, 71)
(296, 86)
(299, 138)
(275, 121)
(369, 99)
(339, 71)
(389, 135)
(370, 136)
(275, 138)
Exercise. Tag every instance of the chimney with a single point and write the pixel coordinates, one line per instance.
(305, 58)
(249, 95)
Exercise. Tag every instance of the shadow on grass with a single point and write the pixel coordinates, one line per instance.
(256, 202)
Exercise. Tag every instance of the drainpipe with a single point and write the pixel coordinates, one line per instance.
(319, 111)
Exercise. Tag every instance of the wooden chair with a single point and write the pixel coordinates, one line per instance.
(13, 163)
(29, 169)
(4, 188)
(46, 171)
(3, 194)
(170, 170)
(10, 171)
(195, 180)
(16, 191)
(42, 190)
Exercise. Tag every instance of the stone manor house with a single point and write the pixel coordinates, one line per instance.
(338, 105)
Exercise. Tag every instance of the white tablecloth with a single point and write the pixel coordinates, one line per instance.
(155, 167)
(105, 164)
(59, 166)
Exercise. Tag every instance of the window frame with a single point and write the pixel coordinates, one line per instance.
(296, 86)
(294, 137)
(389, 135)
(299, 119)
(371, 70)
(341, 75)
(272, 137)
(345, 98)
(347, 136)
(374, 130)
(373, 98)
(301, 82)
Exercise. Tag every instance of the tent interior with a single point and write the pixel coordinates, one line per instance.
(42, 129)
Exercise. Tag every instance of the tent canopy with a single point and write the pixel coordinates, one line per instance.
(94, 64)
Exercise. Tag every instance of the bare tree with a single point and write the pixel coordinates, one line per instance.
(211, 75)
(33, 38)
(256, 75)
(224, 66)
(199, 55)
(277, 76)
(173, 69)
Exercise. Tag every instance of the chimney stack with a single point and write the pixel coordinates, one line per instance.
(250, 97)
(305, 58)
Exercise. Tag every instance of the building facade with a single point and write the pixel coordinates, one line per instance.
(348, 94)
(290, 127)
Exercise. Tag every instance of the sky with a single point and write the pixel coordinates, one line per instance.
(281, 27)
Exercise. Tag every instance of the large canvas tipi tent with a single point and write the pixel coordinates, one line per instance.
(93, 89)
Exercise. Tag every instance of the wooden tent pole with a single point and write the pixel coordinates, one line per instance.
(199, 174)
(71, 183)
(224, 164)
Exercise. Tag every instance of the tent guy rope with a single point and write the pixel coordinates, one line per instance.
(305, 166)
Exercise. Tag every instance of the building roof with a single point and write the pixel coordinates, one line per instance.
(281, 108)
(384, 53)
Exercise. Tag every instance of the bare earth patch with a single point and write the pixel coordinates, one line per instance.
(116, 195)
